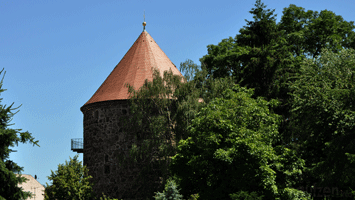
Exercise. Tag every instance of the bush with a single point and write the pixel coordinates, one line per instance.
(294, 194)
(104, 197)
(170, 192)
(243, 195)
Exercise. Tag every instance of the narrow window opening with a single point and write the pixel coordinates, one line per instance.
(96, 114)
(107, 169)
(124, 111)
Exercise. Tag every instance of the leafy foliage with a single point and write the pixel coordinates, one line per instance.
(152, 124)
(70, 181)
(104, 197)
(171, 192)
(230, 146)
(242, 195)
(161, 111)
(258, 57)
(294, 194)
(308, 32)
(9, 179)
(267, 55)
(323, 120)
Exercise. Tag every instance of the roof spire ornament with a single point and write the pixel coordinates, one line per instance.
(144, 23)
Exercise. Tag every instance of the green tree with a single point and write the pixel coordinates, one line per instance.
(104, 197)
(229, 150)
(9, 179)
(171, 191)
(152, 125)
(161, 111)
(267, 55)
(189, 70)
(323, 119)
(70, 181)
(242, 195)
(308, 32)
(257, 57)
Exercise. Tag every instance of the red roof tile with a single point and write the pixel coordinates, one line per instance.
(134, 68)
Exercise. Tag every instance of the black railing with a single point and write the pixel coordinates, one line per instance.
(77, 145)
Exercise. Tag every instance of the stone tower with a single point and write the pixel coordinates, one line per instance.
(104, 138)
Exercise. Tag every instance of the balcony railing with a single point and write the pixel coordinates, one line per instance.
(77, 145)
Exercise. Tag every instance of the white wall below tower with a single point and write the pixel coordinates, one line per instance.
(33, 186)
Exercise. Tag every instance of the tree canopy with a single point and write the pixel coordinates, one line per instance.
(258, 57)
(309, 32)
(230, 150)
(69, 181)
(266, 55)
(323, 118)
(9, 138)
(306, 63)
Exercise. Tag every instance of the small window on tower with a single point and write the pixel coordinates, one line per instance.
(96, 114)
(106, 158)
(107, 169)
(124, 111)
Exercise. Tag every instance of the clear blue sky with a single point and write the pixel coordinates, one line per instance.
(57, 53)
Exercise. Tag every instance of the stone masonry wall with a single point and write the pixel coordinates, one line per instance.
(104, 143)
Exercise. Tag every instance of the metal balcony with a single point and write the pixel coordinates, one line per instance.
(77, 145)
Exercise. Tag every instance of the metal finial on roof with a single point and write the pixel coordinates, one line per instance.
(144, 23)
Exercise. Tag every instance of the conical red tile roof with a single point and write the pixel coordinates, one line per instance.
(134, 68)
